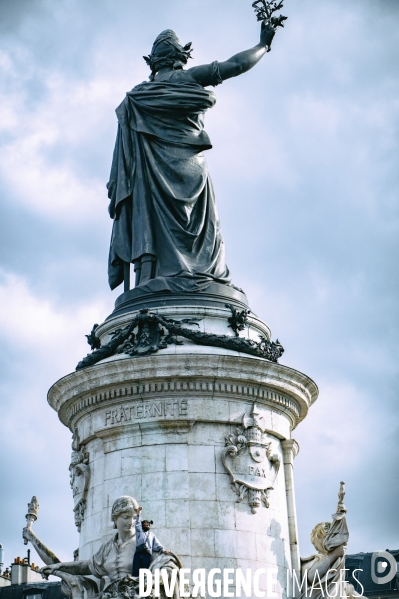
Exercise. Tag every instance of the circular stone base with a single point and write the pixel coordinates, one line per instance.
(216, 296)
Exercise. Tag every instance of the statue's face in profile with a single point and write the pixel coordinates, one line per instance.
(124, 522)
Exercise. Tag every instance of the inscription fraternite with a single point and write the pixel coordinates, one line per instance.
(139, 411)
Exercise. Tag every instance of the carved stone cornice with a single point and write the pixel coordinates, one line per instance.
(206, 388)
(206, 376)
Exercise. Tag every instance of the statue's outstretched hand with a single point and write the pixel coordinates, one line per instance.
(48, 570)
(267, 33)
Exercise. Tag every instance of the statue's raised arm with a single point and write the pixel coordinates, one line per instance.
(239, 63)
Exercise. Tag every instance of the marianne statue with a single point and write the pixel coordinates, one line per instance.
(161, 196)
(112, 567)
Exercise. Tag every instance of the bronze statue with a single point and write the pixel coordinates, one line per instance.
(161, 195)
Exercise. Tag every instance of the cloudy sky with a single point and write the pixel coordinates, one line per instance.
(305, 166)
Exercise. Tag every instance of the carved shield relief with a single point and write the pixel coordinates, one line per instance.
(249, 461)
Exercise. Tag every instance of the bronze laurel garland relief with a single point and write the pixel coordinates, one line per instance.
(146, 335)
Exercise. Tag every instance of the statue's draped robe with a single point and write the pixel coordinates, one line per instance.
(162, 199)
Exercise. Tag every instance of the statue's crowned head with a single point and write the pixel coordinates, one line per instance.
(318, 535)
(167, 52)
(121, 505)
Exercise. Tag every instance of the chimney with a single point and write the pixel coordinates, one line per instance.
(22, 572)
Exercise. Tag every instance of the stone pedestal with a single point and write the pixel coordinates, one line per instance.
(161, 428)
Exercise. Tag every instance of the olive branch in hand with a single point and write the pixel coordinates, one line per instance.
(264, 10)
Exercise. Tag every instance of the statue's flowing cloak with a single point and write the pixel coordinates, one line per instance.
(162, 199)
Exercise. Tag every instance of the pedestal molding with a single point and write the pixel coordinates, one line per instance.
(205, 374)
(205, 388)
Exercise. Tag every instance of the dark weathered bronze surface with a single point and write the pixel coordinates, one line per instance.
(265, 10)
(92, 339)
(161, 195)
(238, 319)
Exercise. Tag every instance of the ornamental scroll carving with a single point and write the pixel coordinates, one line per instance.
(79, 473)
(250, 462)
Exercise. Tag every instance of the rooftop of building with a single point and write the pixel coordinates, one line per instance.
(363, 562)
(36, 590)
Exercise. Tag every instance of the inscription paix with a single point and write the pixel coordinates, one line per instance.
(153, 409)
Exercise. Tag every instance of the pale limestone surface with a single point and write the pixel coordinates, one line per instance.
(154, 428)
